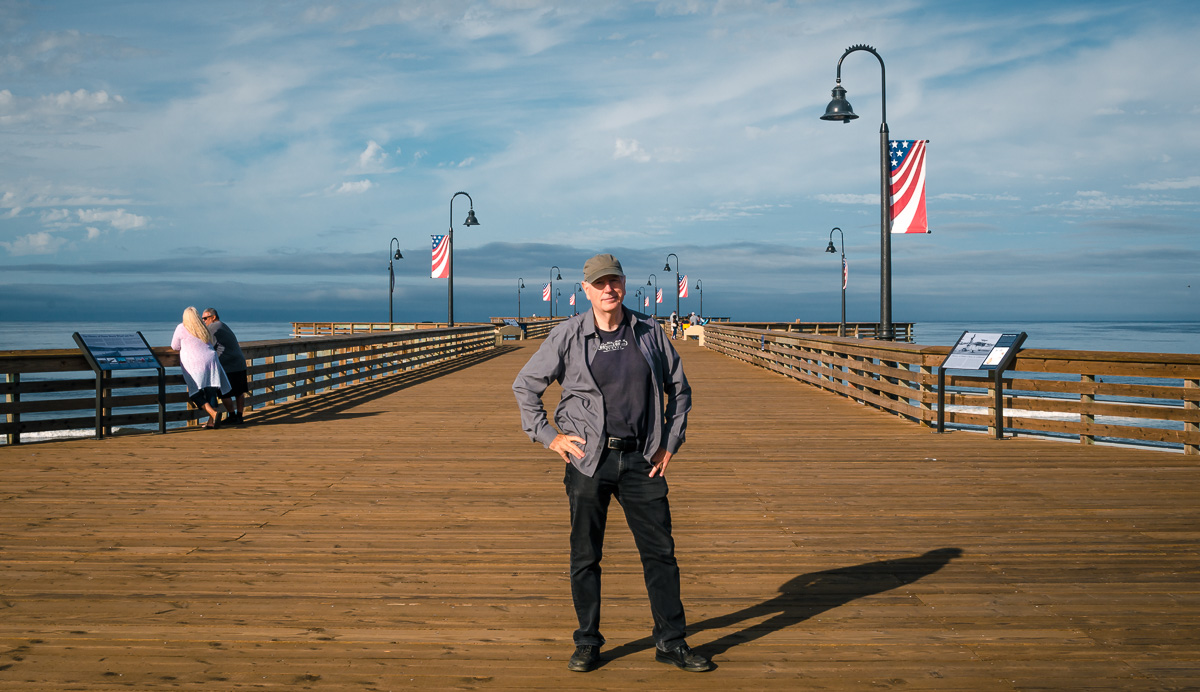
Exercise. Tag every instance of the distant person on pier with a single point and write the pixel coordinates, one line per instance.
(615, 366)
(234, 363)
(202, 369)
(674, 324)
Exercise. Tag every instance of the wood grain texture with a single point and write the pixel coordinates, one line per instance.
(406, 534)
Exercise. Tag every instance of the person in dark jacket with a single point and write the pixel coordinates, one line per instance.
(234, 362)
(617, 437)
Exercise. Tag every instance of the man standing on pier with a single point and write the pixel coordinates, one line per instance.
(615, 367)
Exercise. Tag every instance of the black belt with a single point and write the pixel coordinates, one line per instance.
(624, 444)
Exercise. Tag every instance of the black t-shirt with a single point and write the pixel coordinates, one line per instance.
(623, 375)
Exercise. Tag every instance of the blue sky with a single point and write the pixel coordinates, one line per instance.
(259, 156)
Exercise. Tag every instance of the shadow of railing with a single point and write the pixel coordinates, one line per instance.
(334, 404)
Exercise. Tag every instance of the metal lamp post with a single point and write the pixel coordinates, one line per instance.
(654, 297)
(700, 287)
(831, 248)
(637, 296)
(471, 221)
(520, 285)
(574, 294)
(557, 293)
(553, 270)
(667, 268)
(392, 274)
(839, 110)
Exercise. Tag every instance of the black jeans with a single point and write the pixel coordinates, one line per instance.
(626, 476)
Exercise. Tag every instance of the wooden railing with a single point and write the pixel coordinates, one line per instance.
(332, 328)
(1092, 396)
(59, 382)
(858, 330)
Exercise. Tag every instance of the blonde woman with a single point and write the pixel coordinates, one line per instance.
(202, 370)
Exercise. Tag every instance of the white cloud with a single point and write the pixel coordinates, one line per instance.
(118, 218)
(630, 149)
(81, 99)
(356, 187)
(93, 232)
(1176, 184)
(372, 157)
(846, 198)
(466, 162)
(40, 243)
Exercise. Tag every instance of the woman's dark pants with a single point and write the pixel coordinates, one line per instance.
(625, 476)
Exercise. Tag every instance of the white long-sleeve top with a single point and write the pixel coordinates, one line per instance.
(201, 367)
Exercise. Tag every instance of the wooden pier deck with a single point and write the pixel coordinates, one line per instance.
(407, 535)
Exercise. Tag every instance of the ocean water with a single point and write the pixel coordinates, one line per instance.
(33, 335)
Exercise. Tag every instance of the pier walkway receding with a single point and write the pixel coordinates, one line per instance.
(405, 534)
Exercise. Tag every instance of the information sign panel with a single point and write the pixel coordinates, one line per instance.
(988, 351)
(981, 351)
(118, 351)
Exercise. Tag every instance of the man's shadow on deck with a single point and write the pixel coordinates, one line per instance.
(805, 596)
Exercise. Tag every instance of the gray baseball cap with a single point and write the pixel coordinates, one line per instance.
(601, 265)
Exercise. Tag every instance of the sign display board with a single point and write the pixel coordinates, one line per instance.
(118, 351)
(982, 350)
(107, 353)
(988, 351)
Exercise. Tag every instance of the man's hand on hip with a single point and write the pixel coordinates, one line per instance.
(659, 461)
(568, 444)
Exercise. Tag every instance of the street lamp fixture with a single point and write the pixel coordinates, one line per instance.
(667, 268)
(554, 270)
(520, 285)
(574, 294)
(831, 248)
(392, 274)
(700, 287)
(471, 221)
(839, 110)
(654, 296)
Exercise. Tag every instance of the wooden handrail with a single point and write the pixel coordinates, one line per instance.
(279, 370)
(1089, 395)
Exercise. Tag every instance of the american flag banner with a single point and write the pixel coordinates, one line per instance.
(441, 257)
(572, 299)
(546, 292)
(908, 186)
(658, 296)
(683, 287)
(845, 273)
(647, 302)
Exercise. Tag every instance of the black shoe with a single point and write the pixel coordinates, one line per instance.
(684, 658)
(584, 659)
(235, 419)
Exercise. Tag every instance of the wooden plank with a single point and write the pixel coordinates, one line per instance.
(405, 534)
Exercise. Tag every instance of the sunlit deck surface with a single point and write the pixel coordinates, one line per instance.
(408, 535)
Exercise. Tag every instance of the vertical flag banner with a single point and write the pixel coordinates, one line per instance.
(845, 273)
(647, 302)
(658, 296)
(572, 299)
(683, 287)
(441, 257)
(546, 292)
(908, 186)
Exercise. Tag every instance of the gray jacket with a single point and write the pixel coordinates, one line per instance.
(230, 352)
(566, 357)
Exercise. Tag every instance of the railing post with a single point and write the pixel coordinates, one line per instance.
(1086, 420)
(925, 384)
(1191, 402)
(14, 379)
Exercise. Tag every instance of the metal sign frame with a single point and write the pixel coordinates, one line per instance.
(986, 351)
(108, 352)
